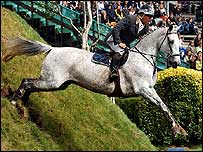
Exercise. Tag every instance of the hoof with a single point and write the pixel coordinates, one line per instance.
(177, 129)
(20, 110)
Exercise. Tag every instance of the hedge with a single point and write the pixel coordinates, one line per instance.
(181, 91)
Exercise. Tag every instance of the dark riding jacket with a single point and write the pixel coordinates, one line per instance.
(126, 30)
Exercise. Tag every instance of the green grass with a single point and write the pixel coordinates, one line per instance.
(73, 119)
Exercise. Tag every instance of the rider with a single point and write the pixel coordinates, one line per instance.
(126, 31)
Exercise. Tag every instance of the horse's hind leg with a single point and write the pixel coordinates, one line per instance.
(30, 85)
(151, 94)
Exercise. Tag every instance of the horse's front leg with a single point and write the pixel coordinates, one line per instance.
(151, 94)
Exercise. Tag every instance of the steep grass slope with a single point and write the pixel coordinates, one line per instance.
(73, 119)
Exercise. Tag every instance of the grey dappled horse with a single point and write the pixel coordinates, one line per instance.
(65, 65)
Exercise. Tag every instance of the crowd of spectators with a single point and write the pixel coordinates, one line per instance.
(192, 54)
(113, 11)
(110, 12)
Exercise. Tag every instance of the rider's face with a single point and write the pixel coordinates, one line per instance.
(146, 19)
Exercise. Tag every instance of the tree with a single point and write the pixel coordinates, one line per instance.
(87, 22)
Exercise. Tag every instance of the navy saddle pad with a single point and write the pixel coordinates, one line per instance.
(101, 58)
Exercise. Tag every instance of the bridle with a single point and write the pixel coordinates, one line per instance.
(151, 55)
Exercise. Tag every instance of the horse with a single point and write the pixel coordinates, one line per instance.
(63, 66)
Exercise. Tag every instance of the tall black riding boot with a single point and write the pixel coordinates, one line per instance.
(114, 66)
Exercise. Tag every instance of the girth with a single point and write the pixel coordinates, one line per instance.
(117, 92)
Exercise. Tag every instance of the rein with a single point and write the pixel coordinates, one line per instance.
(151, 55)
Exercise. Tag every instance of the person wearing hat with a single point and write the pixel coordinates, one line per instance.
(126, 31)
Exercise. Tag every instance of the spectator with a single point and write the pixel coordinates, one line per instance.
(164, 18)
(199, 13)
(132, 10)
(178, 11)
(79, 8)
(68, 4)
(125, 10)
(104, 17)
(197, 38)
(82, 21)
(101, 6)
(188, 55)
(184, 23)
(73, 5)
(111, 13)
(192, 62)
(136, 5)
(193, 8)
(117, 3)
(162, 8)
(172, 18)
(157, 13)
(199, 47)
(181, 24)
(126, 3)
(191, 45)
(185, 7)
(142, 3)
(199, 61)
(119, 13)
(168, 22)
(65, 3)
(189, 27)
(94, 10)
(173, 9)
(181, 38)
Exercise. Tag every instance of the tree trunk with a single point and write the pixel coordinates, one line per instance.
(87, 24)
(98, 27)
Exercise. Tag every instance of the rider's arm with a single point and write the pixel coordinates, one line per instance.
(122, 24)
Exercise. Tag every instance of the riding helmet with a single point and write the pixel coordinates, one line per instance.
(146, 9)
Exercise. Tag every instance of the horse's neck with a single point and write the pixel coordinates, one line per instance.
(148, 44)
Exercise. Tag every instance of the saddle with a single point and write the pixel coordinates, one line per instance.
(103, 57)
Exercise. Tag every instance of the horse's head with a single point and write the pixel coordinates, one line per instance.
(171, 45)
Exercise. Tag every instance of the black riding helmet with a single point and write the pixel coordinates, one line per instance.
(147, 10)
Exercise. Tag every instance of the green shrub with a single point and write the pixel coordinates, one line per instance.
(181, 91)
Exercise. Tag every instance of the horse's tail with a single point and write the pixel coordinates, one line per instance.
(20, 46)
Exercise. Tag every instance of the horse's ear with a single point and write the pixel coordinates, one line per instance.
(170, 28)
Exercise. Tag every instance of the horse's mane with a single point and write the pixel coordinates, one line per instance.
(149, 33)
